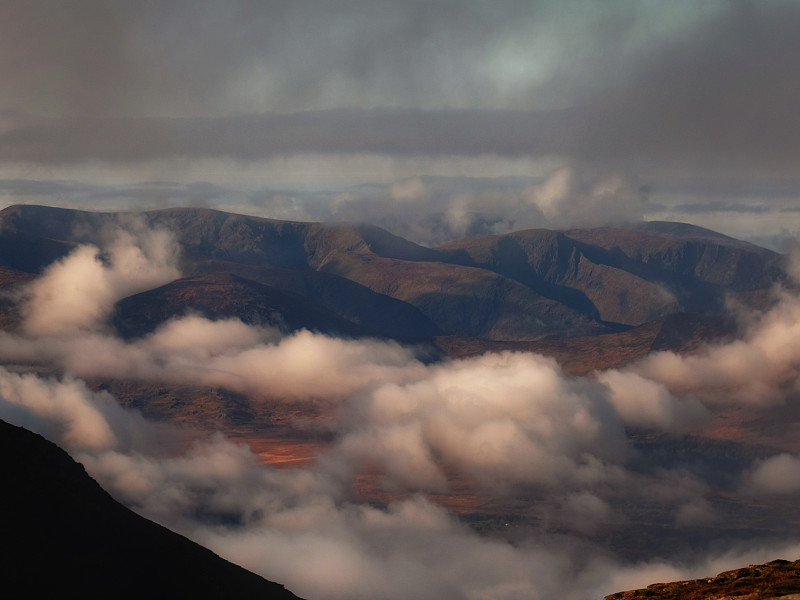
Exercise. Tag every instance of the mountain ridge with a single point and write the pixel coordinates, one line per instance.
(776, 580)
(67, 533)
(524, 285)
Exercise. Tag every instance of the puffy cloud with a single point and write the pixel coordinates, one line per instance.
(779, 474)
(500, 419)
(300, 527)
(568, 200)
(65, 311)
(643, 402)
(512, 423)
(757, 370)
(79, 291)
(586, 513)
(68, 413)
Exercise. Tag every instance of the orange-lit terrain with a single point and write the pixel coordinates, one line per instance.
(282, 452)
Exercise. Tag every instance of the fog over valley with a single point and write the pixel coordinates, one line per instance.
(382, 300)
(499, 474)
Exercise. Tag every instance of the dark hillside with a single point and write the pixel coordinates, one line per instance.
(775, 580)
(220, 296)
(63, 532)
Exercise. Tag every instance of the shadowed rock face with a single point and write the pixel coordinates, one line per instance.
(362, 280)
(779, 579)
(63, 533)
(220, 295)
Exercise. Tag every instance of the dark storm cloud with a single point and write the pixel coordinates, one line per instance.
(723, 90)
(385, 131)
(65, 57)
(182, 57)
(435, 78)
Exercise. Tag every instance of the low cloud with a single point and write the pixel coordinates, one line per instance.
(757, 370)
(302, 528)
(498, 419)
(78, 292)
(569, 198)
(643, 402)
(435, 210)
(779, 474)
(513, 424)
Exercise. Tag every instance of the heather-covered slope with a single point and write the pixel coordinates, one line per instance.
(362, 280)
(63, 534)
(775, 580)
(220, 295)
(559, 267)
(627, 276)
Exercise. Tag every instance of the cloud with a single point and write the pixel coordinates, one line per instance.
(758, 370)
(301, 527)
(642, 402)
(498, 419)
(79, 291)
(691, 88)
(510, 426)
(779, 474)
(68, 413)
(568, 200)
(181, 57)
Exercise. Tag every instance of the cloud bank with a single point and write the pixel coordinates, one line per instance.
(512, 426)
(300, 527)
(690, 88)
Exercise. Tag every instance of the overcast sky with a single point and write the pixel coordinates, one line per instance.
(693, 102)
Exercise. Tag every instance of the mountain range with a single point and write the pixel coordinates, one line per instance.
(592, 299)
(360, 280)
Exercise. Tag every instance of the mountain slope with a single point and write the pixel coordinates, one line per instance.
(525, 285)
(463, 300)
(775, 580)
(560, 268)
(222, 295)
(374, 313)
(63, 532)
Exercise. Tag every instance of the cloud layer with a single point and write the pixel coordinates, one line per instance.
(666, 87)
(511, 426)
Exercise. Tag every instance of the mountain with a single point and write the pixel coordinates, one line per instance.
(218, 295)
(581, 355)
(62, 531)
(357, 280)
(627, 276)
(775, 580)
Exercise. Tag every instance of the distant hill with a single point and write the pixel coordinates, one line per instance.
(63, 534)
(361, 280)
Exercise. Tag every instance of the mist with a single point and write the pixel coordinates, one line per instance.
(512, 426)
(435, 120)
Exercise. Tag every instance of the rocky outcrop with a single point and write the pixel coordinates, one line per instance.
(776, 580)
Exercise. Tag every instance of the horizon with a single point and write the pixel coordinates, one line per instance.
(626, 111)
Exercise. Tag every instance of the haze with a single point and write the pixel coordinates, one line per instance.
(435, 120)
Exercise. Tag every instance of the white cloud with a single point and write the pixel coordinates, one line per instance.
(78, 292)
(779, 474)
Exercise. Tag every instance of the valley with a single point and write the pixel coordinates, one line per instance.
(504, 379)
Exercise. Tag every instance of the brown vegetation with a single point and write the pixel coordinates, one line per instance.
(779, 579)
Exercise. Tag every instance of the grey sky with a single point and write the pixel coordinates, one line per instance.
(659, 90)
